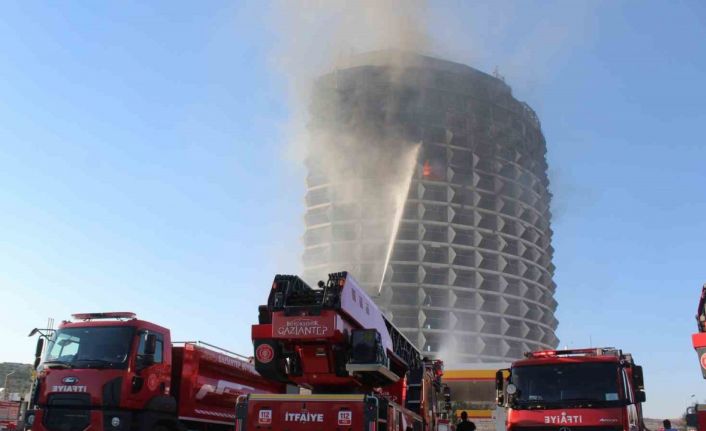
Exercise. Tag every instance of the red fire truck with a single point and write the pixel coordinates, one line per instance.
(9, 413)
(114, 372)
(360, 372)
(596, 389)
(697, 414)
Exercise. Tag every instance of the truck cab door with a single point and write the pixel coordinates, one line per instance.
(631, 410)
(152, 366)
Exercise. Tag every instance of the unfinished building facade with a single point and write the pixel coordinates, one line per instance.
(462, 263)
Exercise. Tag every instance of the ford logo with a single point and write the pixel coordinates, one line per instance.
(70, 380)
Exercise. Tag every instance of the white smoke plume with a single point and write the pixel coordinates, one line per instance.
(367, 165)
(314, 36)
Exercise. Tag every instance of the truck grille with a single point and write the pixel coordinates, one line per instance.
(68, 412)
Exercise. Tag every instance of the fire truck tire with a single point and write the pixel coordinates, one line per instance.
(170, 426)
(154, 421)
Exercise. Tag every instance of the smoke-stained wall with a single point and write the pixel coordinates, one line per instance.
(442, 160)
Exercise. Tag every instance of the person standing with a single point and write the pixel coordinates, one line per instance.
(465, 424)
(667, 425)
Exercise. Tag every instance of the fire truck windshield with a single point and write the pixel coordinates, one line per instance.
(90, 347)
(585, 384)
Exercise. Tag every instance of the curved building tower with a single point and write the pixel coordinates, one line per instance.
(427, 180)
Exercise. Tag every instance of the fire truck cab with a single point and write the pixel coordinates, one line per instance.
(595, 388)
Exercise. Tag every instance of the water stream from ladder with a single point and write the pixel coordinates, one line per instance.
(400, 200)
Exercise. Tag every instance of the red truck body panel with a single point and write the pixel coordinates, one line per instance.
(209, 383)
(699, 342)
(346, 412)
(88, 382)
(328, 325)
(307, 413)
(603, 417)
(321, 332)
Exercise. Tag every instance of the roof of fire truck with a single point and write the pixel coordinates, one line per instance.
(113, 318)
(594, 354)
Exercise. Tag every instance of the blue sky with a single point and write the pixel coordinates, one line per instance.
(145, 164)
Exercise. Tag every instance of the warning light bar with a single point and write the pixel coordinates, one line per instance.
(598, 351)
(110, 315)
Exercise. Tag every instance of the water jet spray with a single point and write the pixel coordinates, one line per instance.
(400, 200)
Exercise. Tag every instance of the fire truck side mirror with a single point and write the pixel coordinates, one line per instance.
(640, 396)
(146, 358)
(264, 316)
(500, 386)
(638, 378)
(150, 344)
(38, 352)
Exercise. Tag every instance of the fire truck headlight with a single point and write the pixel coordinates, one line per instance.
(30, 420)
(115, 422)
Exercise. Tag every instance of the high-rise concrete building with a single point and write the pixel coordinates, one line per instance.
(443, 160)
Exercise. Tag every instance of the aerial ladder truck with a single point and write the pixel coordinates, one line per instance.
(356, 371)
